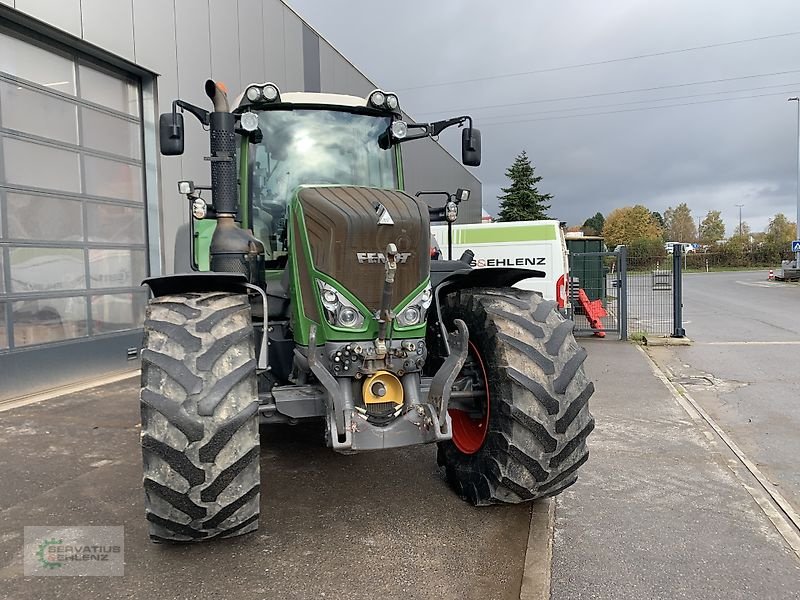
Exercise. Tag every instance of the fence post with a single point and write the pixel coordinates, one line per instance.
(677, 292)
(622, 290)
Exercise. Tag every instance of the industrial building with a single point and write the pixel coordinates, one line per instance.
(88, 208)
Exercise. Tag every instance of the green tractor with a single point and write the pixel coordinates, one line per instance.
(314, 296)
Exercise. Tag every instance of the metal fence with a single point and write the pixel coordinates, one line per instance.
(612, 292)
(597, 292)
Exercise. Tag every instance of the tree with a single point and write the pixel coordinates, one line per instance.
(712, 228)
(659, 219)
(625, 225)
(522, 200)
(594, 225)
(780, 231)
(680, 224)
(740, 240)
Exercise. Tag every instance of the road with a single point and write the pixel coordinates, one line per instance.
(744, 366)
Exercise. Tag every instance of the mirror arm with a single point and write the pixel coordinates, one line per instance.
(433, 129)
(202, 115)
(437, 127)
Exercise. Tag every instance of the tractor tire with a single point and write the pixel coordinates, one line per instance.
(529, 440)
(199, 403)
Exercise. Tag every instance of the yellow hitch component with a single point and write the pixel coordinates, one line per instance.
(383, 387)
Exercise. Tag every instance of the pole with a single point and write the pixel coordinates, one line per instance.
(740, 218)
(797, 254)
(797, 223)
(677, 293)
(622, 290)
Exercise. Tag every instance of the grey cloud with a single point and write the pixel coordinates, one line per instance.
(712, 156)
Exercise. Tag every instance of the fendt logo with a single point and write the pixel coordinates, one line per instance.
(378, 257)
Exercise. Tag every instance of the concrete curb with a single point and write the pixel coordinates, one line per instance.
(667, 341)
(539, 554)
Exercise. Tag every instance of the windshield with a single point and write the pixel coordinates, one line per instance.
(310, 146)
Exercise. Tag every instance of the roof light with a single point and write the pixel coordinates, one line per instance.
(253, 93)
(377, 99)
(392, 102)
(270, 92)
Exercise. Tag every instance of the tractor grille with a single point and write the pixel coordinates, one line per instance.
(348, 244)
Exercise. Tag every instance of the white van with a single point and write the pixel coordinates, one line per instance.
(537, 245)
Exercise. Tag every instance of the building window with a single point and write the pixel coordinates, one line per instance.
(72, 208)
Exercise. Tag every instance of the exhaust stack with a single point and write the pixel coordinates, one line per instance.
(233, 250)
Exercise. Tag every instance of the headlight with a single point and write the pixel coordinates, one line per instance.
(416, 310)
(339, 311)
(249, 120)
(391, 102)
(199, 208)
(347, 317)
(409, 316)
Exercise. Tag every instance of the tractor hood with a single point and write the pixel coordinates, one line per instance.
(348, 229)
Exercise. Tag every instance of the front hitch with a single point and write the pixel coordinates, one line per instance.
(442, 384)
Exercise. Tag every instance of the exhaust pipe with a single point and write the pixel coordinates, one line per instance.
(233, 250)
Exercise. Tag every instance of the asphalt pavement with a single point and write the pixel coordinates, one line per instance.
(656, 512)
(744, 366)
(373, 525)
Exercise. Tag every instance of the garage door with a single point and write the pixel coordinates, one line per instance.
(72, 216)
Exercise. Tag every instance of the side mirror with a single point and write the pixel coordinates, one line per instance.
(471, 147)
(170, 133)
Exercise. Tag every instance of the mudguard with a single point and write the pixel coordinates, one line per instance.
(195, 282)
(468, 277)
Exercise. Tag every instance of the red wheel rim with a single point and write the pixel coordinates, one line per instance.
(469, 433)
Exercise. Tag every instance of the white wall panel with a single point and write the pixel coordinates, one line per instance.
(63, 14)
(109, 24)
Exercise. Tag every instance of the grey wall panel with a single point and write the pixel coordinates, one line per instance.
(293, 43)
(274, 44)
(251, 41)
(428, 166)
(311, 74)
(194, 67)
(63, 14)
(339, 76)
(224, 21)
(109, 24)
(97, 358)
(154, 45)
(327, 61)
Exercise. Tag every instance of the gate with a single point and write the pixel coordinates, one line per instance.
(597, 283)
(640, 295)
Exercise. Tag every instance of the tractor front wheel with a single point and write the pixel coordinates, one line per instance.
(520, 429)
(199, 402)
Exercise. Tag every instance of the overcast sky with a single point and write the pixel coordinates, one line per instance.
(712, 155)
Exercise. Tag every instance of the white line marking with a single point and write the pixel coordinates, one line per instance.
(539, 554)
(12, 403)
(784, 517)
(750, 343)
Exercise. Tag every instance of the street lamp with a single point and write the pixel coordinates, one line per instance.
(797, 254)
(740, 218)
